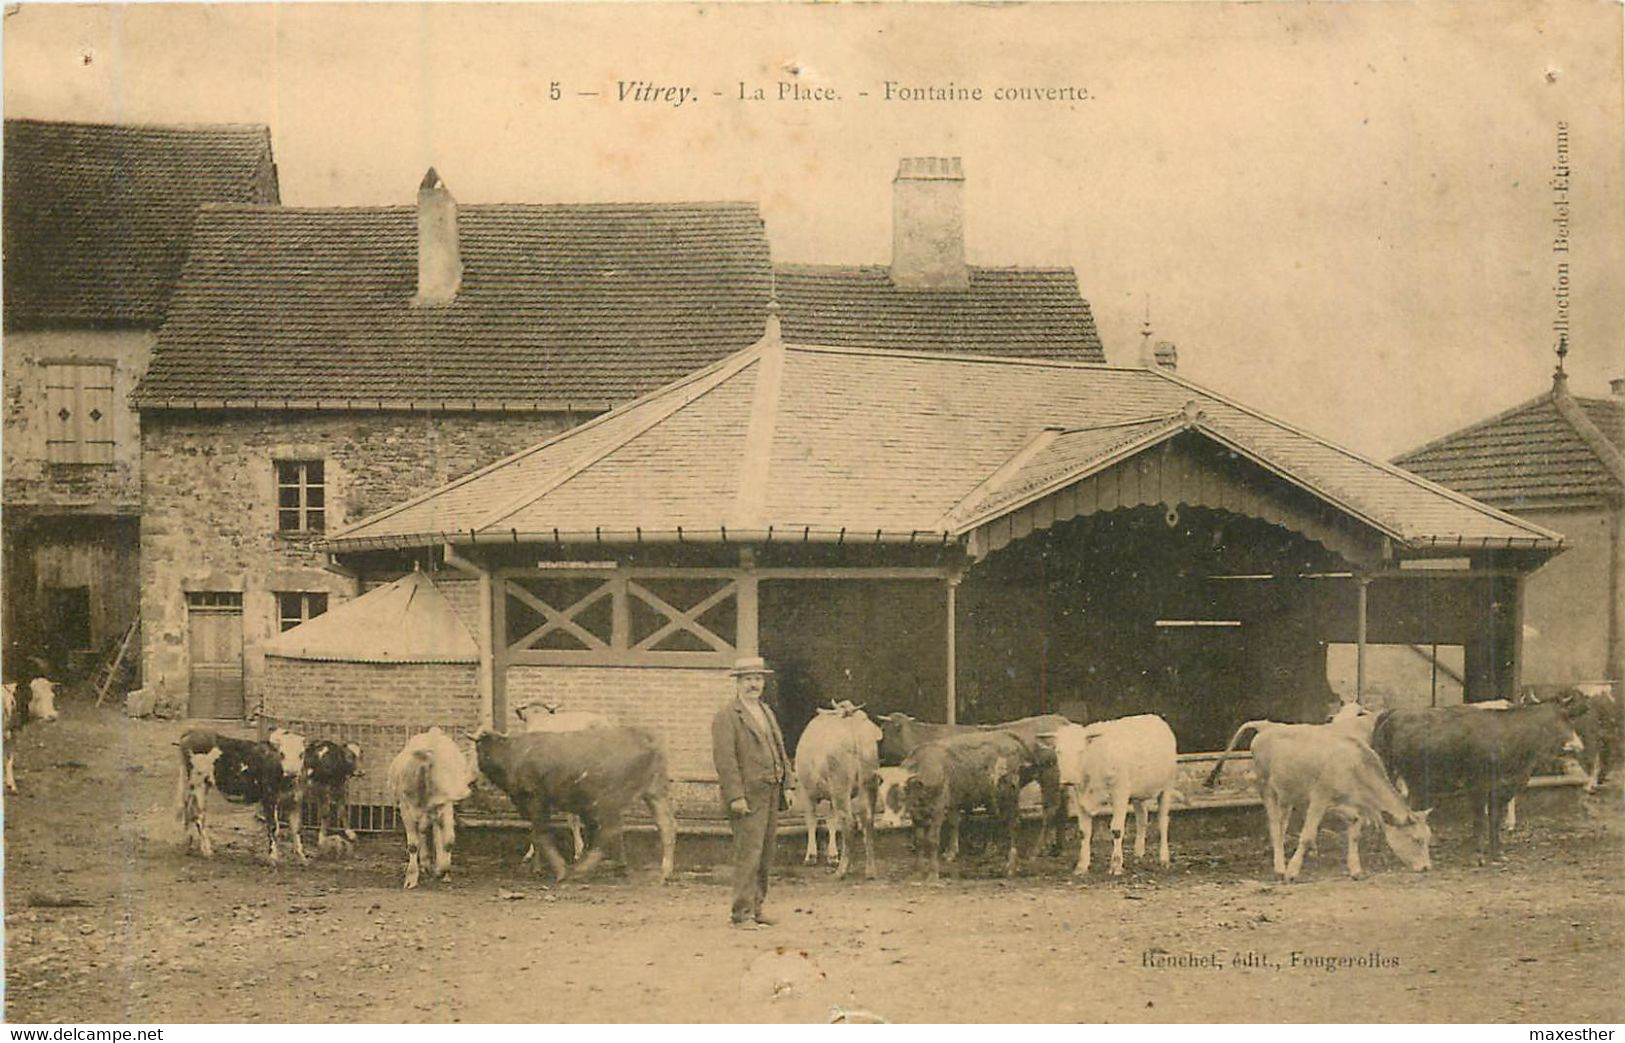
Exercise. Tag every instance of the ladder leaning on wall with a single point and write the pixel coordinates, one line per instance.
(112, 667)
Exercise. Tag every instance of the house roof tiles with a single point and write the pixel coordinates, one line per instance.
(97, 216)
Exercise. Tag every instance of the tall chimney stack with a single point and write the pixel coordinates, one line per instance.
(440, 259)
(928, 225)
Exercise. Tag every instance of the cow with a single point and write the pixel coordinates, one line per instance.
(548, 717)
(1601, 729)
(328, 768)
(1490, 755)
(891, 803)
(950, 776)
(836, 760)
(1323, 770)
(427, 779)
(1351, 719)
(594, 774)
(34, 702)
(1107, 765)
(268, 773)
(900, 734)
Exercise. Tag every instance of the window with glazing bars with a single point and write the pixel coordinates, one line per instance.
(301, 496)
(298, 606)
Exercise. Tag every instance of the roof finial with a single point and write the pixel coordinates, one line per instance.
(1562, 350)
(1148, 356)
(771, 330)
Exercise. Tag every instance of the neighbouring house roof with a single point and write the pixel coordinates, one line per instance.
(1022, 312)
(407, 621)
(559, 306)
(815, 442)
(97, 216)
(1556, 449)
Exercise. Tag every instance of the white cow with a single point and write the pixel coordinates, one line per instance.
(542, 716)
(36, 703)
(1351, 719)
(836, 760)
(1322, 771)
(427, 778)
(1106, 765)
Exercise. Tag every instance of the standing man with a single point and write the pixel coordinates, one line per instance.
(752, 769)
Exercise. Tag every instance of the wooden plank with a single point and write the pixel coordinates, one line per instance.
(620, 657)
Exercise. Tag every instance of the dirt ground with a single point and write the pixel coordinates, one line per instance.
(163, 936)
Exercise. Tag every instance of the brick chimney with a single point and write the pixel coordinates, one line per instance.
(440, 259)
(928, 225)
(1616, 387)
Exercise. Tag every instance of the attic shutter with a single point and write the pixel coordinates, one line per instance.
(79, 413)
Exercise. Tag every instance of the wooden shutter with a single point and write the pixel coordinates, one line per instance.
(79, 413)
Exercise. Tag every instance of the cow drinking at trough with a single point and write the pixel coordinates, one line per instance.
(836, 760)
(266, 773)
(328, 768)
(951, 776)
(35, 701)
(1322, 770)
(1490, 755)
(901, 734)
(594, 774)
(1601, 729)
(550, 717)
(1107, 765)
(427, 779)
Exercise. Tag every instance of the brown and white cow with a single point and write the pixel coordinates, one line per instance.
(35, 701)
(1489, 755)
(594, 774)
(1601, 729)
(427, 779)
(1108, 765)
(836, 760)
(542, 716)
(245, 771)
(1323, 771)
(328, 768)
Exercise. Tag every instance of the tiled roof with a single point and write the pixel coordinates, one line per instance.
(563, 305)
(1019, 312)
(97, 216)
(1553, 450)
(889, 443)
(407, 621)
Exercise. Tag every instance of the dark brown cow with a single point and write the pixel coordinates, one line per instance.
(328, 768)
(594, 774)
(901, 734)
(1490, 755)
(961, 773)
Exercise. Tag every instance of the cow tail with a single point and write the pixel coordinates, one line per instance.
(1213, 776)
(180, 786)
(1382, 741)
(419, 777)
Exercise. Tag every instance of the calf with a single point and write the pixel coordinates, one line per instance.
(900, 734)
(328, 768)
(427, 779)
(1323, 771)
(594, 774)
(244, 771)
(1490, 755)
(1109, 764)
(35, 701)
(548, 717)
(891, 797)
(950, 776)
(836, 760)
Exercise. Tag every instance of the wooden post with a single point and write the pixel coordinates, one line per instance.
(498, 605)
(487, 656)
(1361, 584)
(953, 659)
(1515, 621)
(748, 636)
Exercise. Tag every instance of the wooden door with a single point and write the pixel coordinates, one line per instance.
(215, 638)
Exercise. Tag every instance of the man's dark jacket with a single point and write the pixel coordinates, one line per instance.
(743, 755)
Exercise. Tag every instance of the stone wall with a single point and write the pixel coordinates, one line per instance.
(1565, 636)
(209, 507)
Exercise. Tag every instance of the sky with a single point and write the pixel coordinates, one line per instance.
(1343, 215)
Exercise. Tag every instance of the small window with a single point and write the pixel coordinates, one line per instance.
(79, 413)
(301, 496)
(214, 599)
(297, 606)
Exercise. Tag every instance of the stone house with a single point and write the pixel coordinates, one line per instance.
(96, 222)
(1555, 460)
(319, 365)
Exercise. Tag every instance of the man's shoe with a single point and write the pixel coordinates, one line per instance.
(765, 921)
(746, 925)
